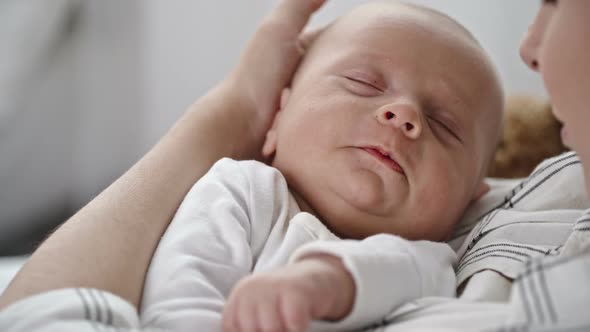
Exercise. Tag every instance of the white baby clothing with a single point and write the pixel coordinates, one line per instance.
(513, 278)
(241, 219)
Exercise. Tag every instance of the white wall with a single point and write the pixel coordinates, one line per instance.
(70, 114)
(36, 116)
(108, 97)
(187, 47)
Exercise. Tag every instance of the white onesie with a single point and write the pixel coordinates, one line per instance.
(241, 219)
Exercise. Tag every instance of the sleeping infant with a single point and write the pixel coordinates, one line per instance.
(380, 143)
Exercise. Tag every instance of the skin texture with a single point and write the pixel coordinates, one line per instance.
(557, 47)
(402, 81)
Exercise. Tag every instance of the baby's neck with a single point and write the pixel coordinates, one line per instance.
(306, 207)
(303, 204)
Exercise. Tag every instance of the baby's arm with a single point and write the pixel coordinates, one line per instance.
(351, 283)
(388, 271)
(203, 253)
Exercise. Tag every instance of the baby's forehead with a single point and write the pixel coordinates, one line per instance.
(396, 16)
(400, 37)
(401, 34)
(423, 32)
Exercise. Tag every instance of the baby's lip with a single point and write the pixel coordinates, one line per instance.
(385, 156)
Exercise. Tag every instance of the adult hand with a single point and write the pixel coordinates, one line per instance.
(109, 243)
(288, 299)
(271, 57)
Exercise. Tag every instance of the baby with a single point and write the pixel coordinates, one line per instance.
(382, 139)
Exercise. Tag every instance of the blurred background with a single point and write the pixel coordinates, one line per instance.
(86, 87)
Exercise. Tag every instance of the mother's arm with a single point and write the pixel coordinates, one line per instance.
(108, 244)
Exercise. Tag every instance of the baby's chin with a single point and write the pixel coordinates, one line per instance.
(354, 202)
(359, 220)
(369, 193)
(354, 214)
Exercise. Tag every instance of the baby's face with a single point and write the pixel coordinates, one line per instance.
(388, 124)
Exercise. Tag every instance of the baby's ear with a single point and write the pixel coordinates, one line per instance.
(270, 143)
(481, 190)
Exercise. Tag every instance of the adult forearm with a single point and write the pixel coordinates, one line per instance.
(109, 243)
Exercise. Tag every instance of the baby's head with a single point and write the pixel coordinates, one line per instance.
(390, 123)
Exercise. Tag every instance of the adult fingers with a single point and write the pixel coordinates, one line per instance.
(307, 38)
(295, 13)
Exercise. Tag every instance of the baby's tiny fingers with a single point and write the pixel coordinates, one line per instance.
(296, 312)
(228, 318)
(247, 320)
(269, 318)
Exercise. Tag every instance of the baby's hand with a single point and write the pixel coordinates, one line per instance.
(288, 299)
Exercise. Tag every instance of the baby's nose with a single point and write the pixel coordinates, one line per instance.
(403, 116)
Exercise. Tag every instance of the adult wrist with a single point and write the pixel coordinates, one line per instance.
(232, 118)
(254, 103)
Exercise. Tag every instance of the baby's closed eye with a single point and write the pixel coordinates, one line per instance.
(441, 126)
(364, 82)
(363, 86)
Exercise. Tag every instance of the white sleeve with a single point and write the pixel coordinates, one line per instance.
(203, 253)
(388, 271)
(70, 310)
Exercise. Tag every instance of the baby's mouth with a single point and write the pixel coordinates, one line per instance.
(385, 157)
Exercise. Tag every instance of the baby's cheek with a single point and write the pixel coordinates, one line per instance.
(433, 216)
(443, 193)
